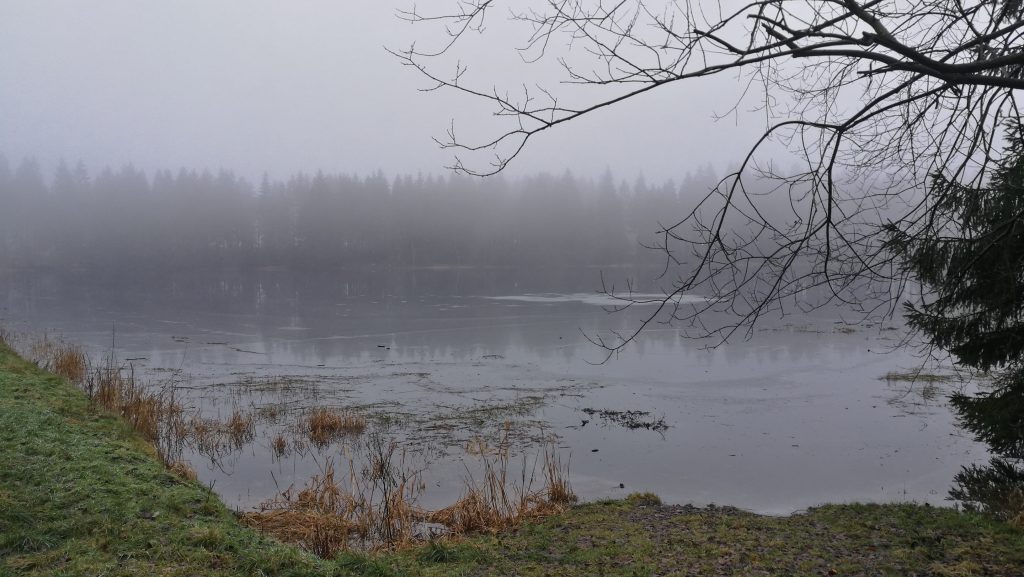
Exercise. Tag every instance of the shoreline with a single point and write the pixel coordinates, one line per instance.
(82, 493)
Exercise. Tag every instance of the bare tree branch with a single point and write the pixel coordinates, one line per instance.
(934, 79)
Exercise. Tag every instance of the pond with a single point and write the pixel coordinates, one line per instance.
(450, 362)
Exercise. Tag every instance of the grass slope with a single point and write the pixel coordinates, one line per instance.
(81, 494)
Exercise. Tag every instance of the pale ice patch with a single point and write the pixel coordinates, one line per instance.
(602, 300)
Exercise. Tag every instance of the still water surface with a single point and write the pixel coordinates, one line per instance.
(445, 360)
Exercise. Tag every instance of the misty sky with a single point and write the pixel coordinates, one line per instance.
(284, 86)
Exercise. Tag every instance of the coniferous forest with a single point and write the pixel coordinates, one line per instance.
(69, 217)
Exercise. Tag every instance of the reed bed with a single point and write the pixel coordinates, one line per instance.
(370, 506)
(374, 505)
(497, 499)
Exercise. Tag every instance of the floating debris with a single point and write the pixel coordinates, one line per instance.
(629, 419)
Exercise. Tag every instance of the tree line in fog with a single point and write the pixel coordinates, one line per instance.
(203, 218)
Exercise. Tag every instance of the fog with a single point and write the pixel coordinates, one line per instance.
(286, 87)
(69, 217)
(242, 202)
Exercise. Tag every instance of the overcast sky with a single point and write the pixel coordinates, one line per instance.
(284, 86)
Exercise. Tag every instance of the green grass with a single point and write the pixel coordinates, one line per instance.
(624, 538)
(81, 494)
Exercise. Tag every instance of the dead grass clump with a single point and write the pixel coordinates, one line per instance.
(40, 351)
(557, 488)
(270, 413)
(204, 435)
(323, 425)
(279, 445)
(373, 506)
(183, 470)
(494, 502)
(240, 428)
(153, 413)
(322, 534)
(61, 358)
(69, 361)
(117, 390)
(319, 518)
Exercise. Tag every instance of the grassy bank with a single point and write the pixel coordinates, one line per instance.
(82, 494)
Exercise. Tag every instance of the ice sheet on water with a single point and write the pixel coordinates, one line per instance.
(600, 299)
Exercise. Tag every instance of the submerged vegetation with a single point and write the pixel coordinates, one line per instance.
(81, 493)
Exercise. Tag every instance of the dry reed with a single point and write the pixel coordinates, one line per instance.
(375, 505)
(69, 362)
(323, 425)
(323, 534)
(279, 445)
(183, 470)
(117, 390)
(494, 501)
(557, 488)
(153, 413)
(240, 428)
(60, 358)
(214, 438)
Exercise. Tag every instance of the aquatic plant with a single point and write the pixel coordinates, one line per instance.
(240, 428)
(323, 425)
(494, 501)
(279, 445)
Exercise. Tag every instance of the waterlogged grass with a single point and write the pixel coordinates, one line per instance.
(83, 494)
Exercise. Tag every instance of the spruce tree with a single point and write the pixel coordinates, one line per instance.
(969, 259)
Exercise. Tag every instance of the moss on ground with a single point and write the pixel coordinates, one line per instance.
(81, 494)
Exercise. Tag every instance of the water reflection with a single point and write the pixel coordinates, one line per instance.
(795, 416)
